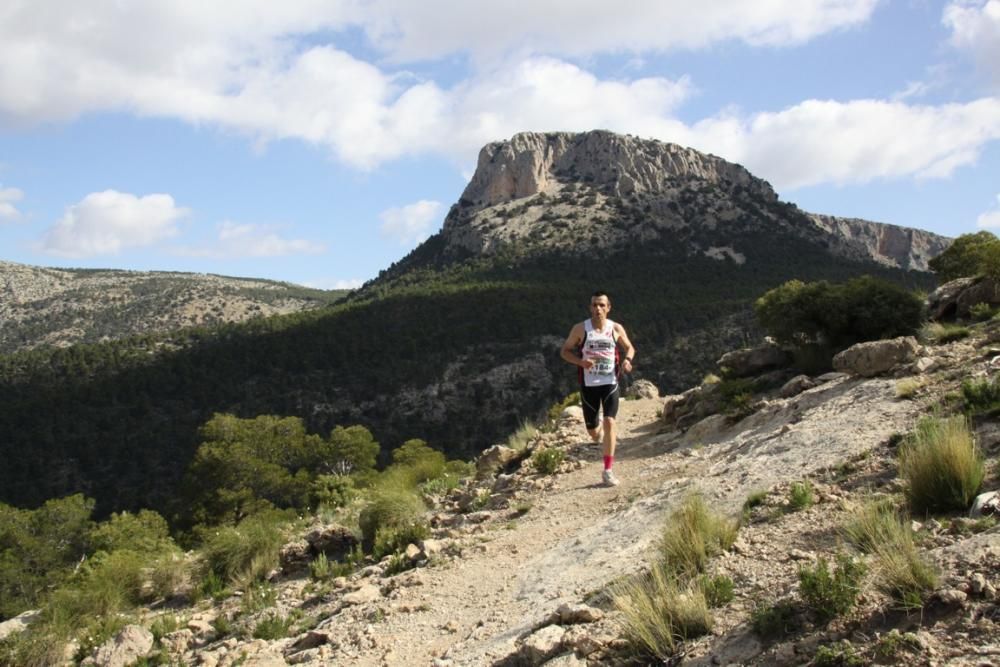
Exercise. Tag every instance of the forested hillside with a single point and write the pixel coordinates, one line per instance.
(458, 342)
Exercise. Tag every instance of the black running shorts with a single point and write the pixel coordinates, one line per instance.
(603, 397)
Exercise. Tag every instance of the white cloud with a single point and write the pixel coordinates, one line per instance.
(990, 218)
(411, 223)
(820, 141)
(104, 223)
(7, 198)
(335, 283)
(435, 28)
(245, 65)
(247, 240)
(975, 27)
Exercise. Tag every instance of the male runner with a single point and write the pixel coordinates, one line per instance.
(593, 346)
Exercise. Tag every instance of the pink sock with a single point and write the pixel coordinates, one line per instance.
(608, 461)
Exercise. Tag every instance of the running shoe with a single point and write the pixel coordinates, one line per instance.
(609, 478)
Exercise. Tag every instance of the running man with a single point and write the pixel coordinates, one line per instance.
(593, 346)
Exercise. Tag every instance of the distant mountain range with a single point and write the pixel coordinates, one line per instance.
(60, 307)
(457, 343)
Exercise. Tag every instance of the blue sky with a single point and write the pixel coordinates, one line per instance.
(318, 141)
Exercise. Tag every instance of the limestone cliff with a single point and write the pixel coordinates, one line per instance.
(545, 190)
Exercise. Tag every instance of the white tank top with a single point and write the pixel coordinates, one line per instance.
(599, 347)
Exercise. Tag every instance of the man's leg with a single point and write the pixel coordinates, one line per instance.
(591, 404)
(610, 437)
(610, 410)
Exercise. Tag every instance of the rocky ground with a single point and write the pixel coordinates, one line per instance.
(520, 563)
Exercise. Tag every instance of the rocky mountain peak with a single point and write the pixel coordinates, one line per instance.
(542, 192)
(533, 162)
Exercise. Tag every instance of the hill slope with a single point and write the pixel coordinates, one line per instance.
(497, 577)
(61, 307)
(457, 343)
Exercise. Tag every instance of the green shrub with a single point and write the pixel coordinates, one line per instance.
(546, 461)
(391, 539)
(942, 466)
(981, 395)
(904, 574)
(737, 396)
(968, 255)
(418, 460)
(894, 643)
(167, 573)
(901, 572)
(258, 596)
(164, 625)
(39, 549)
(658, 614)
(840, 655)
(908, 387)
(319, 568)
(248, 550)
(520, 438)
(874, 523)
(982, 312)
(937, 333)
(801, 496)
(838, 315)
(717, 589)
(391, 506)
(693, 535)
(775, 621)
(398, 563)
(273, 627)
(212, 586)
(145, 532)
(331, 491)
(106, 585)
(831, 595)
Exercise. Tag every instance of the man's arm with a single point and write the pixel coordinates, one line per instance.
(628, 350)
(568, 351)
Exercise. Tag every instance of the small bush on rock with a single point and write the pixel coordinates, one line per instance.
(981, 395)
(775, 621)
(801, 496)
(658, 613)
(828, 594)
(942, 466)
(390, 508)
(547, 461)
(717, 589)
(248, 550)
(693, 534)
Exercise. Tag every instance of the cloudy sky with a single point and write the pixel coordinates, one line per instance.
(317, 141)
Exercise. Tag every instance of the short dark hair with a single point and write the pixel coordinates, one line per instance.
(601, 292)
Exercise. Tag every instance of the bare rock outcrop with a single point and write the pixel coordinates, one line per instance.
(530, 162)
(754, 360)
(903, 247)
(876, 357)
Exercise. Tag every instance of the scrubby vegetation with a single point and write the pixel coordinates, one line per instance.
(823, 318)
(672, 602)
(942, 465)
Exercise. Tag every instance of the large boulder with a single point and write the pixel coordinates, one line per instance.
(957, 297)
(126, 648)
(495, 459)
(333, 540)
(754, 360)
(682, 410)
(876, 357)
(18, 623)
(642, 389)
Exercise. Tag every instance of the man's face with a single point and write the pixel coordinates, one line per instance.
(599, 306)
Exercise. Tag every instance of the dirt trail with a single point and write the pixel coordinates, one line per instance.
(579, 535)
